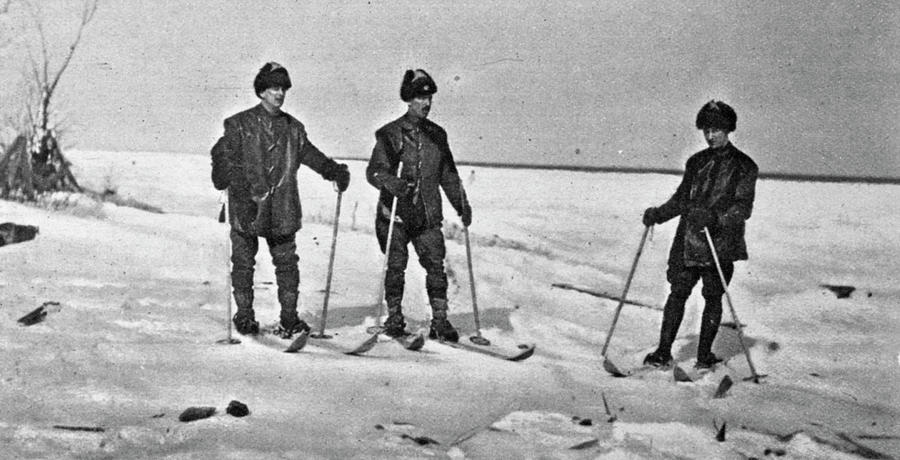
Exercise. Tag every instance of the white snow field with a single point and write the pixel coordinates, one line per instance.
(142, 304)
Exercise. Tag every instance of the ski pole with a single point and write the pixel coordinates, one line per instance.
(334, 234)
(477, 338)
(229, 340)
(612, 326)
(387, 253)
(740, 333)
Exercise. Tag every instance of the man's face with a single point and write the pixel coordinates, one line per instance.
(273, 97)
(715, 137)
(420, 106)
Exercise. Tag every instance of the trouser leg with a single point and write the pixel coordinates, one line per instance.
(681, 281)
(243, 253)
(431, 250)
(243, 259)
(712, 311)
(394, 279)
(283, 249)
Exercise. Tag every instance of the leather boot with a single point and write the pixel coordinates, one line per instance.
(244, 320)
(709, 327)
(441, 329)
(673, 313)
(395, 325)
(290, 323)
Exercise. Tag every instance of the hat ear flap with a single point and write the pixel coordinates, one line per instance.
(406, 86)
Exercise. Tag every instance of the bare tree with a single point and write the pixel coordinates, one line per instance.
(47, 168)
(46, 79)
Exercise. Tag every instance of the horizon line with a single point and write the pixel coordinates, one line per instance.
(787, 177)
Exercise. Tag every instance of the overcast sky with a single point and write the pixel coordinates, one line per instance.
(816, 84)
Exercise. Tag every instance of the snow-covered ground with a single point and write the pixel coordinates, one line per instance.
(133, 341)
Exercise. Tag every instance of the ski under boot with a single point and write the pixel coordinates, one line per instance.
(707, 361)
(291, 324)
(395, 325)
(658, 360)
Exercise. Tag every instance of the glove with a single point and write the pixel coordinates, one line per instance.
(650, 217)
(466, 216)
(701, 217)
(342, 177)
(396, 186)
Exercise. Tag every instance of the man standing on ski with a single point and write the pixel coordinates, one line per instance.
(257, 161)
(427, 167)
(715, 194)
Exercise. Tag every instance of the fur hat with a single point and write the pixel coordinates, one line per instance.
(717, 114)
(270, 75)
(416, 83)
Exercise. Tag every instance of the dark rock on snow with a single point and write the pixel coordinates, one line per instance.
(196, 413)
(237, 409)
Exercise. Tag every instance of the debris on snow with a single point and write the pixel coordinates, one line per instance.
(720, 432)
(38, 314)
(582, 421)
(842, 292)
(585, 445)
(420, 440)
(35, 316)
(93, 429)
(196, 413)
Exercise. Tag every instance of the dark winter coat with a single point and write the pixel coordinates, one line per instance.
(724, 182)
(257, 161)
(429, 169)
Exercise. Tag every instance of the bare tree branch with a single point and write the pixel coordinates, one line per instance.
(87, 13)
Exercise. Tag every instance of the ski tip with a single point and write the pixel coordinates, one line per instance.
(611, 368)
(723, 388)
(365, 346)
(298, 343)
(526, 351)
(680, 375)
(416, 343)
